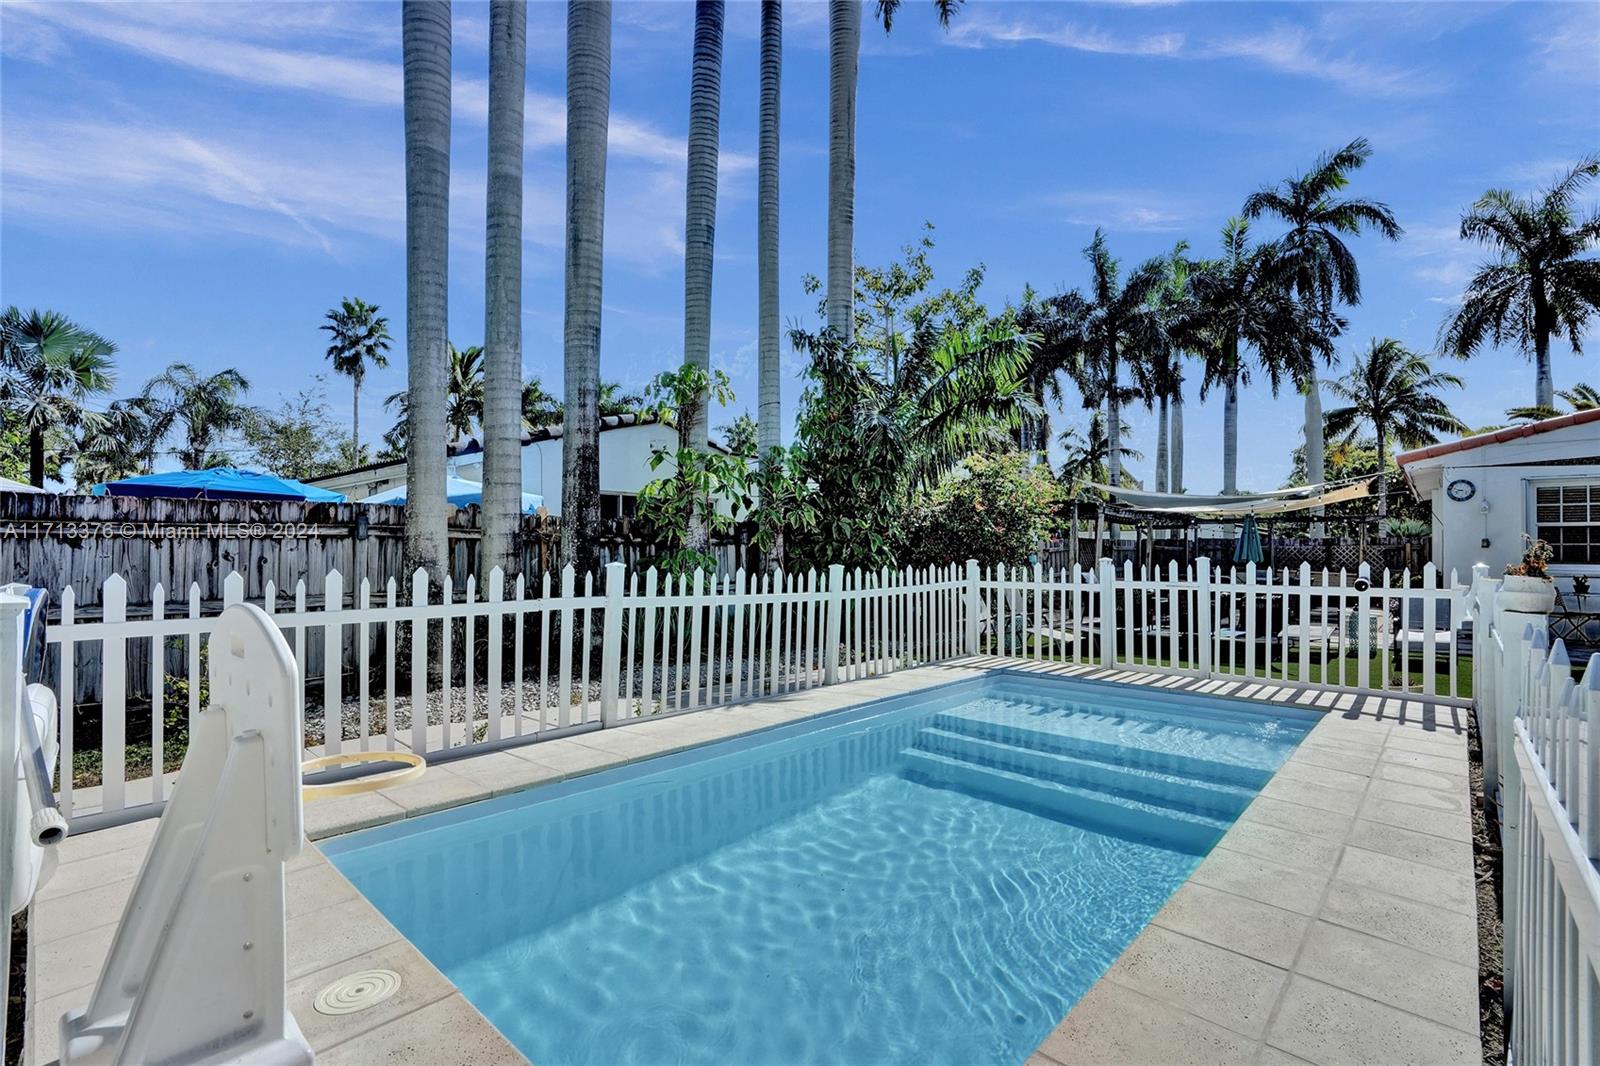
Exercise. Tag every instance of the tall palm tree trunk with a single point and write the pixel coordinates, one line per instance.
(1544, 389)
(588, 118)
(1175, 482)
(502, 334)
(36, 457)
(1162, 453)
(355, 416)
(700, 218)
(1382, 431)
(425, 31)
(844, 52)
(1230, 437)
(1316, 466)
(769, 413)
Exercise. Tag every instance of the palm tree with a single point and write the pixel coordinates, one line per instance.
(49, 366)
(1117, 322)
(769, 410)
(120, 443)
(1158, 372)
(700, 221)
(844, 54)
(1394, 391)
(1242, 303)
(1540, 285)
(360, 338)
(463, 397)
(1088, 456)
(588, 117)
(502, 329)
(1319, 265)
(206, 408)
(425, 44)
(1581, 397)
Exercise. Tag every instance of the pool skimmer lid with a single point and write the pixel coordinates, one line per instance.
(357, 991)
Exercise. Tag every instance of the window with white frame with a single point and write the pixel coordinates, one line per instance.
(1567, 516)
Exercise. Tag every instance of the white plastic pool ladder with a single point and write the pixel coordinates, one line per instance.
(197, 970)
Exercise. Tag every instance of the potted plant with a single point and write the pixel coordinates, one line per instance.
(1580, 589)
(1527, 586)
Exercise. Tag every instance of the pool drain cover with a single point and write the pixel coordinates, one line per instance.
(357, 991)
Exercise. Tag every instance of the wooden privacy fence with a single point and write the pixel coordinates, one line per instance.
(1541, 727)
(467, 670)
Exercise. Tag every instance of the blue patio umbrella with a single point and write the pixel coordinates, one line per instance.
(1248, 549)
(216, 483)
(458, 491)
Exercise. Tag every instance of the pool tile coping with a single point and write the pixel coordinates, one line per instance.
(1217, 922)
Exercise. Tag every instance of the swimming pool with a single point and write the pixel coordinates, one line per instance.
(932, 878)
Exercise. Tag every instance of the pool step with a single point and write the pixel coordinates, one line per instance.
(1137, 756)
(1122, 816)
(1113, 771)
(1132, 706)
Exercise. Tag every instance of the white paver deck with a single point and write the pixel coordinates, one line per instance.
(1333, 923)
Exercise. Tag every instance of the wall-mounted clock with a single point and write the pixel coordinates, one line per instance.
(1460, 490)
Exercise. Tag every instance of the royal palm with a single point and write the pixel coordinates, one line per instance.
(1394, 391)
(1540, 285)
(359, 339)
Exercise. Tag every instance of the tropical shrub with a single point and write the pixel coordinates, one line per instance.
(996, 509)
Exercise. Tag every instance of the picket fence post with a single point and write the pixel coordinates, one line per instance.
(1202, 569)
(835, 603)
(1107, 593)
(611, 644)
(974, 604)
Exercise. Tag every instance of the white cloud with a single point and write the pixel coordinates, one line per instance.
(1285, 48)
(1134, 211)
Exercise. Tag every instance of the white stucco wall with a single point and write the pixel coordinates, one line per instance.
(624, 462)
(1488, 528)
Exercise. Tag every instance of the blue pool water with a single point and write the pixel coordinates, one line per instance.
(934, 878)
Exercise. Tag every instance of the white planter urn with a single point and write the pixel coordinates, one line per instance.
(1529, 595)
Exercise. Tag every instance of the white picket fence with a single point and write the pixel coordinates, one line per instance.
(525, 664)
(1544, 773)
(1400, 633)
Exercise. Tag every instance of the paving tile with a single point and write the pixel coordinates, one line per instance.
(1113, 1024)
(1213, 983)
(59, 916)
(1418, 777)
(329, 935)
(1452, 825)
(1237, 923)
(1451, 889)
(1403, 843)
(71, 961)
(1298, 817)
(1445, 933)
(117, 838)
(502, 772)
(1423, 761)
(447, 1030)
(1423, 984)
(420, 985)
(346, 814)
(1271, 1056)
(436, 790)
(1350, 760)
(1299, 769)
(1419, 796)
(97, 870)
(1286, 846)
(1261, 879)
(1332, 1027)
(571, 758)
(1306, 794)
(44, 1036)
(1440, 745)
(312, 887)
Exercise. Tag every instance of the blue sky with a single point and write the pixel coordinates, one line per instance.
(202, 181)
